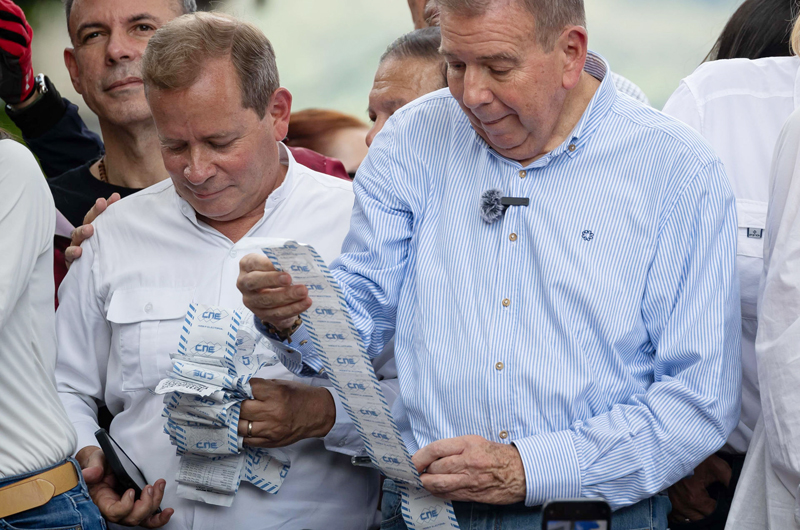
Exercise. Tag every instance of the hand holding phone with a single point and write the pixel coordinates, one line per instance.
(119, 505)
(576, 514)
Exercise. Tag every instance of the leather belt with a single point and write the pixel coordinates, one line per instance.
(37, 490)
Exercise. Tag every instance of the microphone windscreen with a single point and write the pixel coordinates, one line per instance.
(491, 206)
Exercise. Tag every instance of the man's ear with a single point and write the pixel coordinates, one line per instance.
(573, 45)
(280, 110)
(72, 67)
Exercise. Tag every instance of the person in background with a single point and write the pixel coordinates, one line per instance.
(409, 68)
(423, 13)
(40, 485)
(758, 28)
(330, 133)
(768, 495)
(739, 106)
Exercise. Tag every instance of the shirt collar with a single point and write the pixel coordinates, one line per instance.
(598, 108)
(595, 112)
(273, 200)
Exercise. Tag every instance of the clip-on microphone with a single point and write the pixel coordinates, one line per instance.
(494, 205)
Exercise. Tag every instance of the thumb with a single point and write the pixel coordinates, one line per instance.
(95, 468)
(717, 470)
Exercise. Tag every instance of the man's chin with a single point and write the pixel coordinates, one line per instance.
(123, 110)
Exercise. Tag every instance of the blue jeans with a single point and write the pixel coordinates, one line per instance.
(72, 510)
(649, 514)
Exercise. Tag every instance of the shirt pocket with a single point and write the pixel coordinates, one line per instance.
(752, 216)
(145, 326)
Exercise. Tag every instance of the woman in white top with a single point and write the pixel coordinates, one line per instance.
(40, 486)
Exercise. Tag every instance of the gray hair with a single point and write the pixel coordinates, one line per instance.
(421, 44)
(187, 6)
(551, 16)
(176, 53)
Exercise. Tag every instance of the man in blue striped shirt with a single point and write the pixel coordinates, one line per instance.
(585, 345)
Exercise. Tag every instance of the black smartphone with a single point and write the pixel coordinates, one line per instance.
(576, 514)
(127, 473)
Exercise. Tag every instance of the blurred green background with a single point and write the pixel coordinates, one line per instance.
(328, 49)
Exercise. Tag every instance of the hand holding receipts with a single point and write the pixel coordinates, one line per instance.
(349, 369)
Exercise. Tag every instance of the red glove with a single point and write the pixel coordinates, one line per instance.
(16, 70)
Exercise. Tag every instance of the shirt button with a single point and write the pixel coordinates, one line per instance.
(499, 366)
(513, 237)
(303, 342)
(506, 302)
(503, 435)
(523, 174)
(233, 253)
(148, 308)
(572, 148)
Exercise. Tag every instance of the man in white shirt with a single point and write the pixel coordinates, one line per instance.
(39, 484)
(220, 115)
(739, 106)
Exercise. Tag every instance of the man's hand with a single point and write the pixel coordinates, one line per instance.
(285, 412)
(472, 469)
(16, 70)
(121, 509)
(269, 294)
(86, 230)
(690, 498)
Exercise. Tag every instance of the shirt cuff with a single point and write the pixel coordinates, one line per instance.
(86, 437)
(343, 437)
(551, 467)
(298, 356)
(38, 118)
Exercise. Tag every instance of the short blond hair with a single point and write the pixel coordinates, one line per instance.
(795, 39)
(176, 53)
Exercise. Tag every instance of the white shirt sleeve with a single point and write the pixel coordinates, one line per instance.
(27, 215)
(778, 340)
(84, 339)
(682, 105)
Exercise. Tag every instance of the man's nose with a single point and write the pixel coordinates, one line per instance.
(376, 128)
(200, 168)
(121, 48)
(476, 89)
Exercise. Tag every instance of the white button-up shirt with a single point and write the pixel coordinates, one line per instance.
(121, 307)
(740, 106)
(768, 492)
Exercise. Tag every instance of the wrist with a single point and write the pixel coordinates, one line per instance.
(39, 90)
(85, 454)
(326, 418)
(284, 334)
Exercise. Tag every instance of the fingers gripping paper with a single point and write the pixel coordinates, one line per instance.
(218, 354)
(350, 371)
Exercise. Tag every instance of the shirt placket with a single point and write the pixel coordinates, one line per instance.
(503, 365)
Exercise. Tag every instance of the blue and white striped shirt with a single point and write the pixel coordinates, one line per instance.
(598, 329)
